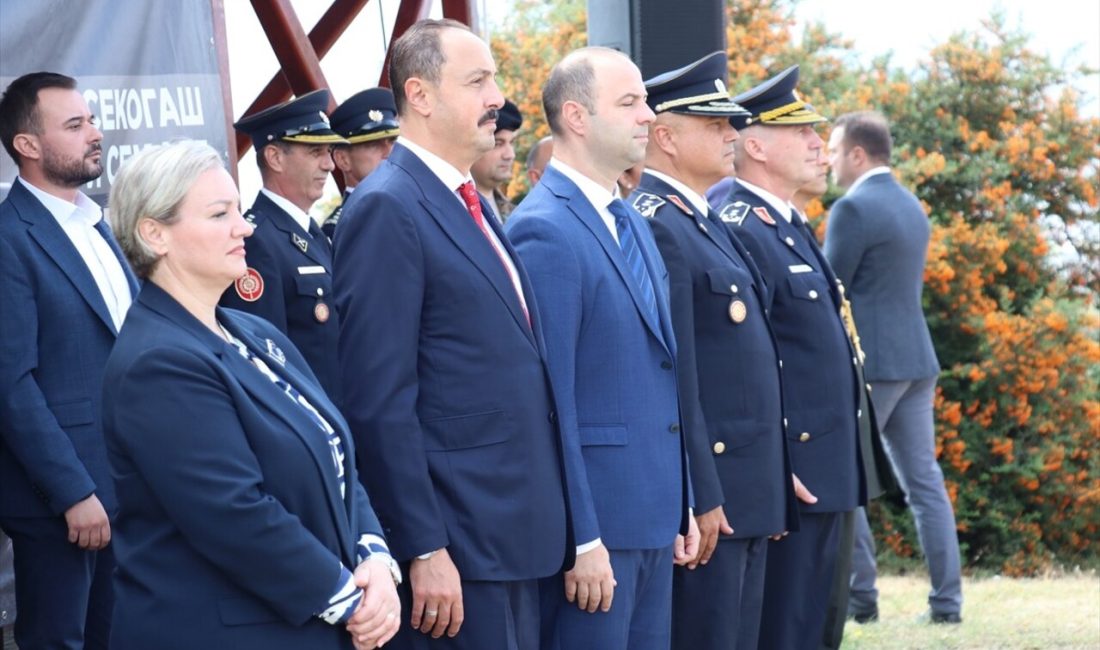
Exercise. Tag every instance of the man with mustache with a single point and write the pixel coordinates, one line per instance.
(289, 278)
(66, 289)
(447, 391)
(612, 355)
(494, 169)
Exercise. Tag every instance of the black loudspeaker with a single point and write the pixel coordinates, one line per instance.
(659, 35)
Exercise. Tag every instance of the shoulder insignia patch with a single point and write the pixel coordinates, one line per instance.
(250, 286)
(764, 215)
(734, 212)
(647, 204)
(678, 202)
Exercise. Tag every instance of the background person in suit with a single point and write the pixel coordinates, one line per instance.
(441, 344)
(727, 362)
(368, 121)
(599, 277)
(242, 523)
(289, 276)
(779, 152)
(495, 167)
(66, 290)
(877, 242)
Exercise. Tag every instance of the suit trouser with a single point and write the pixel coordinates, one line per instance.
(718, 605)
(641, 611)
(798, 582)
(904, 410)
(63, 593)
(502, 615)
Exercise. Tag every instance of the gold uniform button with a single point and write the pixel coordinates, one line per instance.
(804, 437)
(719, 447)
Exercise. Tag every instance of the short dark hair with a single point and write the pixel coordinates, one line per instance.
(868, 130)
(572, 79)
(418, 53)
(19, 106)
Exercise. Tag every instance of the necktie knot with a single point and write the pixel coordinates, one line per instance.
(470, 198)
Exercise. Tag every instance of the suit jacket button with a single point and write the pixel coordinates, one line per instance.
(719, 447)
(552, 417)
(667, 365)
(674, 428)
(803, 437)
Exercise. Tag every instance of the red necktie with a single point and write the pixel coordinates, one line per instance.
(473, 205)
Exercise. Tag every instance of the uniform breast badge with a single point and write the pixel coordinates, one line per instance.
(321, 311)
(250, 286)
(738, 311)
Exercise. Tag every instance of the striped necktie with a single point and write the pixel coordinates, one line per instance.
(628, 242)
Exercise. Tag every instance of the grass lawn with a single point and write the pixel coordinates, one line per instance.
(1042, 613)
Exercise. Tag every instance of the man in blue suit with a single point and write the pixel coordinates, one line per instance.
(728, 363)
(447, 392)
(877, 242)
(65, 289)
(777, 153)
(599, 278)
(289, 277)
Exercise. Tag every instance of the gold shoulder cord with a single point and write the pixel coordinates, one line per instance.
(849, 321)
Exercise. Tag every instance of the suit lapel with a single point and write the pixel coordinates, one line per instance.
(316, 246)
(582, 208)
(444, 208)
(56, 244)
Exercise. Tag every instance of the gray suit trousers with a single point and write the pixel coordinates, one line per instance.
(904, 410)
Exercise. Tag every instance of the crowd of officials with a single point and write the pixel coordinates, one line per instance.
(616, 416)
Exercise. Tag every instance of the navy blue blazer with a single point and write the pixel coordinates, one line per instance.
(877, 242)
(820, 383)
(728, 369)
(446, 388)
(231, 530)
(296, 271)
(613, 369)
(55, 335)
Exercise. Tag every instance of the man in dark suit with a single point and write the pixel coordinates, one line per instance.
(66, 289)
(289, 277)
(728, 363)
(599, 277)
(368, 121)
(447, 392)
(495, 168)
(877, 242)
(778, 153)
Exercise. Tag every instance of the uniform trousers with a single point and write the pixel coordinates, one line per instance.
(904, 411)
(717, 606)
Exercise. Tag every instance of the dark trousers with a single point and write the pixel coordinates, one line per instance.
(798, 582)
(502, 615)
(63, 594)
(640, 615)
(718, 606)
(837, 610)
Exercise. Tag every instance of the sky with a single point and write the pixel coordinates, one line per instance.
(1068, 31)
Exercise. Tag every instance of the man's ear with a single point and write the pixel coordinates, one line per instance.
(418, 95)
(27, 145)
(574, 117)
(273, 156)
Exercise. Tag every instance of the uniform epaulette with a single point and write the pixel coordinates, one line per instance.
(734, 213)
(647, 204)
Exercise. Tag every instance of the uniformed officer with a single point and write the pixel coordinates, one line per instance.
(495, 167)
(368, 121)
(728, 364)
(289, 277)
(778, 153)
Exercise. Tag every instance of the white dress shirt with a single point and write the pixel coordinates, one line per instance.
(782, 207)
(694, 198)
(78, 220)
(596, 194)
(301, 218)
(874, 171)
